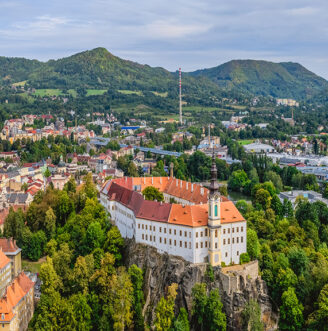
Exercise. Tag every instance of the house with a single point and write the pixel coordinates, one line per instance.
(259, 148)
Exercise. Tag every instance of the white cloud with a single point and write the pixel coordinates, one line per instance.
(173, 29)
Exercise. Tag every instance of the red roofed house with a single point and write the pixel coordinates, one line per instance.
(201, 227)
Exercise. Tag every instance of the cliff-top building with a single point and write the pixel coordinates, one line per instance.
(200, 226)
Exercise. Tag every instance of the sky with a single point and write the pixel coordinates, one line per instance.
(192, 34)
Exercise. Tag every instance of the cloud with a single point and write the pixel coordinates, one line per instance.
(173, 29)
(191, 33)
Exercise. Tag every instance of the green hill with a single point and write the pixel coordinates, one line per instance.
(284, 80)
(98, 69)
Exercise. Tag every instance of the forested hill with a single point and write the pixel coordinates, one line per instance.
(99, 69)
(284, 80)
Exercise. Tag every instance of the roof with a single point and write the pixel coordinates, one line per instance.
(4, 260)
(8, 245)
(120, 190)
(14, 294)
(154, 211)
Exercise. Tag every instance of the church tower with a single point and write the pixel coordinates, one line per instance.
(214, 218)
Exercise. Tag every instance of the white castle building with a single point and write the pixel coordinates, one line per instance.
(200, 226)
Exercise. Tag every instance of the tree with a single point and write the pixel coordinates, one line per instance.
(251, 316)
(262, 198)
(238, 180)
(253, 245)
(138, 297)
(47, 173)
(89, 188)
(94, 238)
(152, 193)
(275, 179)
(318, 320)
(182, 322)
(199, 301)
(291, 311)
(215, 319)
(50, 222)
(244, 258)
(165, 310)
(114, 243)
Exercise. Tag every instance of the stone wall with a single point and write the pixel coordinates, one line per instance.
(237, 285)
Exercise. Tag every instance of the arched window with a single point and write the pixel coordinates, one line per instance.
(216, 210)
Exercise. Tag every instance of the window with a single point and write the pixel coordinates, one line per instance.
(138, 225)
(233, 230)
(180, 233)
(224, 231)
(233, 240)
(196, 245)
(216, 233)
(201, 245)
(196, 234)
(160, 229)
(146, 227)
(206, 244)
(216, 245)
(228, 230)
(242, 239)
(180, 243)
(237, 229)
(224, 241)
(142, 226)
(185, 233)
(170, 242)
(216, 210)
(150, 227)
(143, 236)
(154, 238)
(151, 238)
(160, 239)
(169, 231)
(146, 236)
(154, 228)
(229, 241)
(189, 245)
(237, 253)
(241, 229)
(205, 232)
(237, 240)
(201, 233)
(175, 231)
(185, 244)
(164, 240)
(226, 254)
(164, 230)
(175, 242)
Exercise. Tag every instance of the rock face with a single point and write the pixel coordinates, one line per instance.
(236, 284)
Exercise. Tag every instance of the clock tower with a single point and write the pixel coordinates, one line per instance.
(214, 218)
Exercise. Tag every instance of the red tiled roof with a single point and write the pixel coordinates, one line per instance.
(4, 260)
(155, 211)
(8, 245)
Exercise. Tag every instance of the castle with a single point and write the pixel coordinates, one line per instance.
(200, 226)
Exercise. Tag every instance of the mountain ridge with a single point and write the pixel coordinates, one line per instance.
(98, 68)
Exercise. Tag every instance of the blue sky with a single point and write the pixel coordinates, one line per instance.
(193, 34)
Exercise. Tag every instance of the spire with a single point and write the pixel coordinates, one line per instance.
(214, 186)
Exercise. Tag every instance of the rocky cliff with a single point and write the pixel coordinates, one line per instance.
(236, 284)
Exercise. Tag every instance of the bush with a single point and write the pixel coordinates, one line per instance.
(244, 258)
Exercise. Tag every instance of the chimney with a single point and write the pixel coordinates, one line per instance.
(180, 183)
(202, 190)
(160, 180)
(177, 181)
(187, 185)
(152, 180)
(144, 180)
(192, 187)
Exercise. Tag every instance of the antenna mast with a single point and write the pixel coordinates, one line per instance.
(180, 98)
